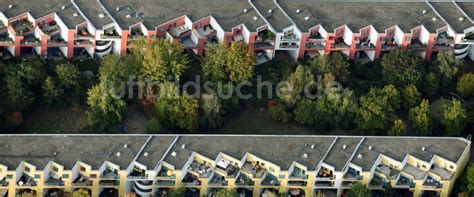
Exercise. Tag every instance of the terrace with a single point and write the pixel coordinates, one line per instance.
(432, 183)
(298, 173)
(165, 183)
(261, 57)
(265, 39)
(218, 180)
(30, 40)
(4, 182)
(136, 33)
(82, 180)
(289, 36)
(443, 173)
(203, 169)
(137, 173)
(364, 42)
(377, 182)
(83, 33)
(389, 172)
(4, 38)
(325, 173)
(389, 43)
(255, 168)
(191, 180)
(352, 174)
(110, 33)
(469, 37)
(416, 43)
(57, 40)
(165, 173)
(270, 180)
(26, 180)
(49, 28)
(188, 42)
(107, 183)
(244, 180)
(83, 43)
(229, 169)
(206, 31)
(404, 181)
(23, 27)
(179, 31)
(54, 180)
(109, 173)
(443, 41)
(339, 43)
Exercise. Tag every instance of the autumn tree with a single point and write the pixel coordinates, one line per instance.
(447, 66)
(51, 91)
(420, 118)
(410, 96)
(336, 64)
(69, 75)
(466, 85)
(398, 128)
(454, 118)
(290, 92)
(401, 68)
(240, 62)
(214, 63)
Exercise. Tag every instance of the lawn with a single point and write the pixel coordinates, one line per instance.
(54, 120)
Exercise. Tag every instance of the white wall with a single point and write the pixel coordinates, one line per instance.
(398, 35)
(323, 32)
(373, 36)
(219, 31)
(246, 34)
(347, 35)
(62, 26)
(424, 35)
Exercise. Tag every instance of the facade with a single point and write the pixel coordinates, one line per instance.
(151, 165)
(304, 28)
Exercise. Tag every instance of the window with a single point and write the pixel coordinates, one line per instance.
(281, 176)
(382, 39)
(65, 176)
(82, 168)
(93, 176)
(451, 167)
(408, 38)
(424, 166)
(9, 176)
(37, 176)
(55, 169)
(27, 169)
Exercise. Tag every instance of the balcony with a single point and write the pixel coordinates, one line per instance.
(389, 43)
(50, 28)
(377, 182)
(110, 173)
(289, 45)
(5, 39)
(136, 33)
(432, 183)
(324, 183)
(469, 37)
(206, 31)
(364, 43)
(57, 40)
(298, 173)
(83, 34)
(109, 183)
(30, 40)
(352, 174)
(218, 180)
(405, 182)
(110, 33)
(178, 31)
(254, 168)
(188, 42)
(289, 36)
(244, 180)
(325, 174)
(26, 180)
(444, 41)
(82, 180)
(4, 182)
(389, 172)
(270, 180)
(191, 180)
(443, 173)
(265, 40)
(204, 170)
(165, 173)
(165, 183)
(340, 44)
(227, 168)
(83, 43)
(298, 183)
(54, 180)
(416, 44)
(314, 45)
(23, 27)
(137, 173)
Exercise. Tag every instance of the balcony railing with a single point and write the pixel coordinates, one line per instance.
(405, 182)
(430, 182)
(23, 27)
(109, 183)
(313, 45)
(469, 37)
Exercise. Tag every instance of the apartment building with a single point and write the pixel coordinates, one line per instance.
(304, 28)
(152, 165)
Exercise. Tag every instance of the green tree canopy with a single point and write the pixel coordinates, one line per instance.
(105, 108)
(401, 68)
(359, 190)
(32, 72)
(214, 63)
(410, 96)
(240, 62)
(420, 118)
(398, 128)
(295, 85)
(51, 91)
(18, 97)
(336, 63)
(466, 85)
(278, 112)
(454, 118)
(447, 66)
(211, 112)
(377, 109)
(69, 75)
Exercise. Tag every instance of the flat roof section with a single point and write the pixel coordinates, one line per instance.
(156, 149)
(397, 148)
(229, 13)
(93, 11)
(67, 150)
(341, 152)
(36, 8)
(70, 16)
(452, 14)
(468, 8)
(275, 17)
(282, 151)
(357, 15)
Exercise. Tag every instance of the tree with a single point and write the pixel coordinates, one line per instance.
(105, 108)
(51, 91)
(211, 110)
(32, 72)
(278, 112)
(402, 68)
(447, 66)
(336, 64)
(343, 105)
(410, 96)
(431, 84)
(18, 97)
(69, 75)
(81, 193)
(398, 128)
(214, 63)
(225, 193)
(420, 118)
(177, 192)
(240, 62)
(160, 60)
(454, 118)
(376, 110)
(393, 96)
(466, 85)
(470, 179)
(314, 113)
(295, 85)
(359, 190)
